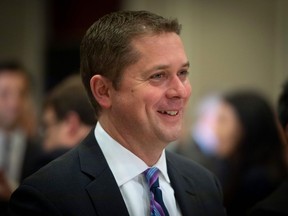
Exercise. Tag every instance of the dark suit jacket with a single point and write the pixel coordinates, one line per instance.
(81, 183)
(275, 205)
(31, 159)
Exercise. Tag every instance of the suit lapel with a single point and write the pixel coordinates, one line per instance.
(103, 189)
(185, 191)
(105, 195)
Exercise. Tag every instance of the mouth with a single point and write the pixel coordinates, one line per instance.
(169, 112)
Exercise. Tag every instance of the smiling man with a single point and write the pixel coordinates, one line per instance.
(135, 71)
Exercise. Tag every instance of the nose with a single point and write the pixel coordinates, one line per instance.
(178, 88)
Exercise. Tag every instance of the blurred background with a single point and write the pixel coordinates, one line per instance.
(231, 44)
(238, 52)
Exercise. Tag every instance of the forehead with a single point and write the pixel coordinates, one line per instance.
(13, 83)
(161, 49)
(150, 43)
(12, 76)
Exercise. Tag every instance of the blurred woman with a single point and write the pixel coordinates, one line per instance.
(250, 145)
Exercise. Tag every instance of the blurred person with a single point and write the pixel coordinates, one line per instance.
(17, 148)
(277, 203)
(135, 71)
(250, 145)
(283, 109)
(200, 144)
(67, 118)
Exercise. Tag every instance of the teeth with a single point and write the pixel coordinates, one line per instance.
(172, 113)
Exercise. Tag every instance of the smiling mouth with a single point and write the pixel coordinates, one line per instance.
(170, 112)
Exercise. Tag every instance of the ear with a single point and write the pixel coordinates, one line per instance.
(100, 87)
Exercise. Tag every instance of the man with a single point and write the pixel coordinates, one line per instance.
(135, 70)
(67, 118)
(276, 203)
(16, 148)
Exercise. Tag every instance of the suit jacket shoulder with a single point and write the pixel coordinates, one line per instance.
(188, 167)
(29, 165)
(77, 183)
(81, 183)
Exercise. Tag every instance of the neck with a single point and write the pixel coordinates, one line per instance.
(147, 150)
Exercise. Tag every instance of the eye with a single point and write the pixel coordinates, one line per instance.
(183, 74)
(158, 76)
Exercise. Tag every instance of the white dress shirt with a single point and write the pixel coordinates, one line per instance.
(128, 170)
(15, 155)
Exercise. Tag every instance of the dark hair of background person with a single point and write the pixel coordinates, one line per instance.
(11, 66)
(257, 167)
(283, 106)
(261, 141)
(106, 48)
(68, 96)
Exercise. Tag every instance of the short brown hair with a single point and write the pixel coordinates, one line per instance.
(106, 48)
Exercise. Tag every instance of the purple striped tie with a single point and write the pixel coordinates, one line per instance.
(157, 206)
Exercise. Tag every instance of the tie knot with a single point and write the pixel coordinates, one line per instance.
(152, 177)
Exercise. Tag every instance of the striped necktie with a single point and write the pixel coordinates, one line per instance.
(157, 206)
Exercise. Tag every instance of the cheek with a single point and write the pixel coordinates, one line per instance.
(188, 89)
(147, 98)
(63, 131)
(51, 134)
(228, 139)
(2, 101)
(55, 133)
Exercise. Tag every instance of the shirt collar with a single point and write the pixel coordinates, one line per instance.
(123, 163)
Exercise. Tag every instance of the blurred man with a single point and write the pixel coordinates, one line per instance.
(283, 115)
(68, 117)
(283, 109)
(277, 203)
(16, 149)
(135, 70)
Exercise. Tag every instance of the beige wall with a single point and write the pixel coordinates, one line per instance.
(230, 43)
(22, 36)
(281, 45)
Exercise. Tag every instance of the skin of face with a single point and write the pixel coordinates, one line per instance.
(228, 130)
(53, 130)
(146, 111)
(13, 94)
(64, 133)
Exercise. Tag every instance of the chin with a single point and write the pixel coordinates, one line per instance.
(169, 134)
(171, 137)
